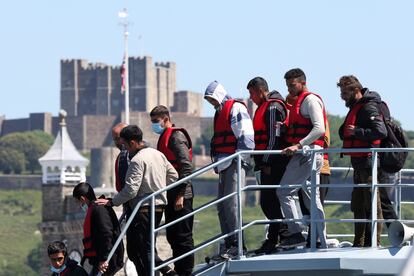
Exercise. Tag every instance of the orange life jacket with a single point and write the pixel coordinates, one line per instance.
(88, 249)
(163, 141)
(223, 140)
(261, 131)
(299, 126)
(351, 141)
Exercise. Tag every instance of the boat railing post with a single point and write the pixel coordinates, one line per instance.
(397, 193)
(313, 202)
(239, 207)
(152, 235)
(374, 198)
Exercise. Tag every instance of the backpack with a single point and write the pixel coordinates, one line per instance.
(392, 162)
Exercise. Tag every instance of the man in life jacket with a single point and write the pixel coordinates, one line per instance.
(100, 232)
(149, 171)
(233, 131)
(307, 119)
(176, 145)
(122, 160)
(325, 174)
(60, 264)
(364, 127)
(269, 125)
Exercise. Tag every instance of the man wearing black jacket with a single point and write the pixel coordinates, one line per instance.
(176, 145)
(364, 128)
(269, 128)
(101, 230)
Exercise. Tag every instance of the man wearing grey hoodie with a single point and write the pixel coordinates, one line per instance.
(233, 131)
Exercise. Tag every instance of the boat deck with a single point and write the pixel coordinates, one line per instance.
(321, 262)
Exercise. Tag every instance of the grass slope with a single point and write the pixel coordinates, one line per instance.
(20, 212)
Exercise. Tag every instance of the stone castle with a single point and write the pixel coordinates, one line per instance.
(91, 95)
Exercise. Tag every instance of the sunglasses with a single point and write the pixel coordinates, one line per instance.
(58, 259)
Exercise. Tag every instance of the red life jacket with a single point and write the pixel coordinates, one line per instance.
(163, 141)
(261, 137)
(299, 126)
(88, 249)
(223, 140)
(351, 141)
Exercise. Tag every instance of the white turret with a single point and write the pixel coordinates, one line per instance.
(62, 163)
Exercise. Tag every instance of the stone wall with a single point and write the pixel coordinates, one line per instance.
(12, 182)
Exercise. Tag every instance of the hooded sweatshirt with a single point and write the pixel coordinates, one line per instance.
(369, 125)
(241, 123)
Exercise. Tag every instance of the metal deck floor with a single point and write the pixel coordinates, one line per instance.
(333, 261)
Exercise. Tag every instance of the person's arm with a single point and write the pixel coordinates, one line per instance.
(133, 182)
(375, 127)
(179, 145)
(276, 113)
(171, 173)
(312, 108)
(242, 127)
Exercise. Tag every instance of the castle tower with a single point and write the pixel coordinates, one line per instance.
(62, 167)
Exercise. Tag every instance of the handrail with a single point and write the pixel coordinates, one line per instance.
(239, 229)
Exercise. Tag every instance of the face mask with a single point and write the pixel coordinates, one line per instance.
(84, 207)
(157, 128)
(57, 270)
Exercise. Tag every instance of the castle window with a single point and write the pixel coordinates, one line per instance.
(68, 169)
(49, 169)
(77, 169)
(56, 169)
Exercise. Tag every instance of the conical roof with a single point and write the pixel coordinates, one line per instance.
(63, 148)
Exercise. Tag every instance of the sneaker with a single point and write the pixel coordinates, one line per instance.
(231, 253)
(266, 248)
(292, 241)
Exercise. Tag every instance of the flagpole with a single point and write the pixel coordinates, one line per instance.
(123, 15)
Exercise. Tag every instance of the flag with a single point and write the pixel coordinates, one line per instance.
(123, 76)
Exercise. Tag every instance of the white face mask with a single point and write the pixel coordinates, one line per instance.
(57, 270)
(157, 128)
(84, 207)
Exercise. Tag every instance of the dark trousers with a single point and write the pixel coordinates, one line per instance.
(180, 235)
(269, 202)
(361, 206)
(139, 242)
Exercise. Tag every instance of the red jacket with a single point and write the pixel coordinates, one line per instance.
(261, 130)
(350, 141)
(162, 145)
(299, 126)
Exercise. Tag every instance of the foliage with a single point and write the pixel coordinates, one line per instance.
(20, 213)
(34, 259)
(11, 160)
(31, 144)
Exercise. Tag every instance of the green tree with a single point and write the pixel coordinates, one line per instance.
(11, 160)
(32, 144)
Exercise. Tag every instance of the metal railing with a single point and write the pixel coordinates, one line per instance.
(240, 227)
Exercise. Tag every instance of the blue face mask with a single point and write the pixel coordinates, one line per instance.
(157, 128)
(57, 270)
(84, 207)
